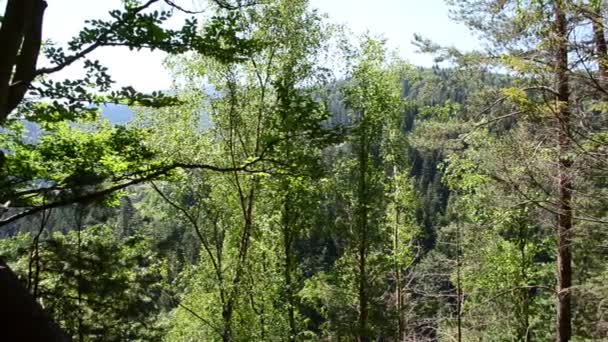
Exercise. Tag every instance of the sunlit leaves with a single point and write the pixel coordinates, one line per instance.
(67, 157)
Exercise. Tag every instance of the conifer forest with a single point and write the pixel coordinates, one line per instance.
(300, 182)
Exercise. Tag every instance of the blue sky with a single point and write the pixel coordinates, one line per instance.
(396, 20)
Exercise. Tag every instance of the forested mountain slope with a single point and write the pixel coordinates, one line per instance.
(325, 190)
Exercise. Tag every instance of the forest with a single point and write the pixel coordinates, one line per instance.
(299, 182)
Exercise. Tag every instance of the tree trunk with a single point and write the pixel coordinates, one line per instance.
(20, 39)
(398, 294)
(11, 37)
(362, 218)
(363, 300)
(247, 203)
(288, 238)
(21, 317)
(599, 40)
(227, 318)
(564, 212)
(458, 285)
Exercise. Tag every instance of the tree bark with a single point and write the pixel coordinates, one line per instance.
(362, 218)
(20, 39)
(564, 212)
(11, 37)
(599, 40)
(363, 300)
(21, 317)
(27, 61)
(398, 294)
(458, 285)
(288, 238)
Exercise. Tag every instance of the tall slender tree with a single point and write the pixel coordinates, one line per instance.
(555, 50)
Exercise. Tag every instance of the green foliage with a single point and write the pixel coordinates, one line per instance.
(302, 188)
(370, 222)
(247, 224)
(99, 287)
(137, 27)
(71, 160)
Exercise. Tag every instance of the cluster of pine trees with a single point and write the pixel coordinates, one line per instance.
(303, 185)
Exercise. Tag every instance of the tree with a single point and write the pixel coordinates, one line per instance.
(261, 109)
(501, 253)
(363, 168)
(97, 286)
(25, 94)
(556, 69)
(21, 36)
(369, 98)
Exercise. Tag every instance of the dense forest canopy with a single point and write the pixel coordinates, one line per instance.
(301, 183)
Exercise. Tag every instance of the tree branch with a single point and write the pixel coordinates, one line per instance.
(99, 41)
(92, 196)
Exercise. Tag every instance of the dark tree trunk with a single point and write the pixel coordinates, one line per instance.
(398, 294)
(362, 218)
(11, 37)
(21, 317)
(288, 238)
(564, 210)
(227, 318)
(599, 39)
(458, 285)
(20, 40)
(363, 299)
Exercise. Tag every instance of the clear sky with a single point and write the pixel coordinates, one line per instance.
(396, 20)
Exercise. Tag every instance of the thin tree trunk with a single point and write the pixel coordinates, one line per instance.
(524, 334)
(363, 300)
(33, 276)
(79, 280)
(362, 218)
(398, 294)
(288, 239)
(564, 215)
(458, 285)
(247, 203)
(599, 39)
